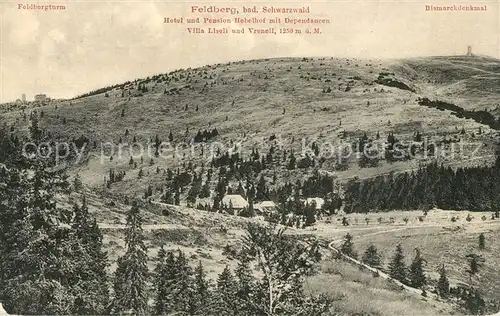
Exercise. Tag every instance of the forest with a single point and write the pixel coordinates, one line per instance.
(474, 189)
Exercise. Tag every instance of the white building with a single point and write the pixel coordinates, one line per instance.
(40, 97)
(266, 207)
(234, 202)
(319, 202)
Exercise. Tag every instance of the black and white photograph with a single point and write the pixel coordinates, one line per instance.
(239, 158)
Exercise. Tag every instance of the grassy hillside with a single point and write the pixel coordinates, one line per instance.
(329, 101)
(357, 292)
(201, 235)
(209, 237)
(441, 240)
(469, 82)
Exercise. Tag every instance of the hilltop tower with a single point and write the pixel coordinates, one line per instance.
(469, 50)
(23, 98)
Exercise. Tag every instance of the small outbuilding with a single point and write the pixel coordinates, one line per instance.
(234, 202)
(319, 202)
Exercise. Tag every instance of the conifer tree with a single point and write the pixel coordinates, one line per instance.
(224, 304)
(347, 247)
(177, 197)
(167, 197)
(397, 267)
(250, 189)
(474, 302)
(241, 190)
(482, 241)
(310, 214)
(371, 256)
(475, 262)
(261, 189)
(90, 274)
(159, 282)
(201, 291)
(164, 284)
(205, 190)
(36, 133)
(182, 292)
(245, 287)
(77, 183)
(416, 273)
(33, 229)
(131, 275)
(443, 285)
(292, 163)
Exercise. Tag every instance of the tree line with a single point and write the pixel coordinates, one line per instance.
(473, 188)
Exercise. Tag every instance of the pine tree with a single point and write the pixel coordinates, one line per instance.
(292, 163)
(36, 133)
(36, 242)
(205, 190)
(177, 197)
(397, 267)
(165, 280)
(474, 303)
(475, 262)
(250, 189)
(310, 214)
(347, 247)
(167, 197)
(92, 291)
(371, 256)
(482, 241)
(182, 293)
(241, 190)
(443, 285)
(245, 287)
(225, 294)
(77, 183)
(201, 291)
(131, 275)
(416, 273)
(159, 282)
(261, 189)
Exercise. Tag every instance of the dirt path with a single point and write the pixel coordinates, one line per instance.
(334, 244)
(382, 274)
(147, 227)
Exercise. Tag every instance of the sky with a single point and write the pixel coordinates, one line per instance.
(92, 44)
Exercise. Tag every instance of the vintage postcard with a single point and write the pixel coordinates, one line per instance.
(250, 158)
